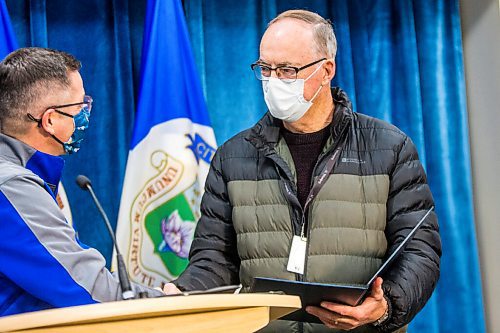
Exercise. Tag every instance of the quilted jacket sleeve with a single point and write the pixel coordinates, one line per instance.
(213, 259)
(411, 281)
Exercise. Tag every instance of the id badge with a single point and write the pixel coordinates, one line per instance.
(297, 257)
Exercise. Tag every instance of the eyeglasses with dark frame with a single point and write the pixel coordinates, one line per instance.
(286, 73)
(87, 103)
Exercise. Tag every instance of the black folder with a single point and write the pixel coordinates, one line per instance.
(314, 293)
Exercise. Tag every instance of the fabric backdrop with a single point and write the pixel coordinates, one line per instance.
(398, 60)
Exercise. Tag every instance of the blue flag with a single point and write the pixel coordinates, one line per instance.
(7, 38)
(172, 146)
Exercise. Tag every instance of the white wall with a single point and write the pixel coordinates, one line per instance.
(481, 38)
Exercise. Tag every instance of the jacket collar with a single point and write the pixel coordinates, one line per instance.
(266, 133)
(47, 167)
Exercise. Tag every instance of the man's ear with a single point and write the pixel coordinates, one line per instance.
(47, 121)
(330, 68)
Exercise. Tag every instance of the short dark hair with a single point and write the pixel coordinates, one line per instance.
(26, 75)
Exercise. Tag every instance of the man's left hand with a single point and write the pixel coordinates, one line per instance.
(346, 317)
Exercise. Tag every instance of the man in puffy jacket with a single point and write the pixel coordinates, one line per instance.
(43, 114)
(350, 186)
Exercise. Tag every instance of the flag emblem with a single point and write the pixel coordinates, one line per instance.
(201, 149)
(167, 220)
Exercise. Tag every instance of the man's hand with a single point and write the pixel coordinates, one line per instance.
(170, 289)
(347, 317)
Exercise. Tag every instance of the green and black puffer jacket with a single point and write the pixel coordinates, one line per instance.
(375, 194)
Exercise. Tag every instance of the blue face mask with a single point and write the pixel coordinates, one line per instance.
(80, 122)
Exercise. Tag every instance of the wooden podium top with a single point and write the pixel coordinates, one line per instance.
(112, 312)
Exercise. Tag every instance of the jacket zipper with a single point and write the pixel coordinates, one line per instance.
(321, 157)
(293, 211)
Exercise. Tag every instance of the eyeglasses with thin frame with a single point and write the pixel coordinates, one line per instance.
(87, 104)
(287, 73)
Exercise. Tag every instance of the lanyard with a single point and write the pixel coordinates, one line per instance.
(318, 184)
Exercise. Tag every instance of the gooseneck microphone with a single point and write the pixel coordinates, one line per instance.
(127, 291)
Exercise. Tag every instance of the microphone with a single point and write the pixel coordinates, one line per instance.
(127, 291)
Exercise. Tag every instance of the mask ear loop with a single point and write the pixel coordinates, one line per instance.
(320, 87)
(316, 94)
(38, 121)
(317, 69)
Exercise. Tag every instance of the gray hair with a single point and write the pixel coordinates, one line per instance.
(27, 75)
(324, 37)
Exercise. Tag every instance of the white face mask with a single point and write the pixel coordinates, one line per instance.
(285, 100)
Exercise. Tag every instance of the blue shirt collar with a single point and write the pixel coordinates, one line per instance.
(47, 167)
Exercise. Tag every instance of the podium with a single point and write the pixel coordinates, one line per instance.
(196, 313)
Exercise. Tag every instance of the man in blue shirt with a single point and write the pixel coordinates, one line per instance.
(43, 114)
